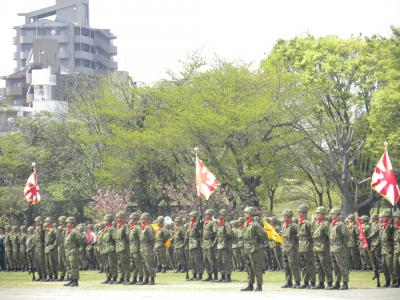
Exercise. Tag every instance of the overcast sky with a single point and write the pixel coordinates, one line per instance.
(153, 35)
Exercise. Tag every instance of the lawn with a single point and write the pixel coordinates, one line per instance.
(91, 280)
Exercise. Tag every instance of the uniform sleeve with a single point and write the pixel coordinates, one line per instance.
(345, 233)
(55, 243)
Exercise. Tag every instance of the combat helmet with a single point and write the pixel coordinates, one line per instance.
(251, 210)
(70, 220)
(134, 216)
(320, 210)
(30, 229)
(62, 219)
(351, 217)
(374, 217)
(209, 212)
(194, 213)
(38, 219)
(386, 213)
(364, 218)
(287, 213)
(160, 220)
(108, 218)
(302, 208)
(222, 212)
(121, 215)
(178, 220)
(337, 211)
(145, 216)
(23, 228)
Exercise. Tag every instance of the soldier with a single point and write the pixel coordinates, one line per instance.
(353, 255)
(50, 244)
(386, 238)
(30, 250)
(374, 241)
(15, 248)
(98, 258)
(146, 249)
(102, 251)
(72, 243)
(122, 248)
(290, 250)
(2, 254)
(61, 259)
(209, 246)
(253, 238)
(224, 247)
(366, 263)
(338, 238)
(8, 249)
(179, 246)
(108, 242)
(40, 261)
(396, 252)
(320, 237)
(90, 248)
(304, 232)
(275, 246)
(134, 249)
(240, 244)
(22, 248)
(193, 238)
(83, 258)
(161, 236)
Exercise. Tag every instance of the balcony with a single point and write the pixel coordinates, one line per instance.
(15, 91)
(63, 54)
(109, 48)
(16, 40)
(84, 55)
(2, 92)
(29, 39)
(109, 64)
(81, 39)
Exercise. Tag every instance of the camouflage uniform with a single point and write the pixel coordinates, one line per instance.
(122, 248)
(179, 246)
(8, 249)
(83, 257)
(396, 248)
(366, 263)
(320, 237)
(72, 243)
(30, 250)
(275, 246)
(224, 247)
(253, 239)
(353, 255)
(193, 238)
(160, 238)
(40, 262)
(386, 239)
(290, 251)
(15, 248)
(108, 243)
(338, 238)
(146, 249)
(22, 248)
(374, 241)
(61, 259)
(304, 232)
(102, 251)
(209, 246)
(134, 249)
(50, 249)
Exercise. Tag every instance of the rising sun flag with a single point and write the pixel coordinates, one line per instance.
(206, 182)
(271, 233)
(31, 190)
(384, 181)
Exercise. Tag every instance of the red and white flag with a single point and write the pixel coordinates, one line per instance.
(206, 182)
(384, 181)
(31, 190)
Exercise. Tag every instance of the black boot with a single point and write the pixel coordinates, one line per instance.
(287, 285)
(152, 281)
(258, 288)
(312, 285)
(114, 281)
(68, 283)
(200, 277)
(194, 277)
(209, 278)
(248, 288)
(228, 278)
(61, 278)
(145, 281)
(387, 284)
(222, 279)
(126, 281)
(106, 281)
(215, 277)
(178, 268)
(344, 286)
(320, 286)
(140, 280)
(120, 281)
(163, 270)
(134, 281)
(395, 284)
(297, 285)
(305, 285)
(329, 286)
(74, 282)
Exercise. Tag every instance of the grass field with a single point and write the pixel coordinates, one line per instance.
(91, 280)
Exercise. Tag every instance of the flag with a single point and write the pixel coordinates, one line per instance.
(384, 181)
(31, 190)
(156, 227)
(271, 233)
(91, 236)
(363, 240)
(206, 182)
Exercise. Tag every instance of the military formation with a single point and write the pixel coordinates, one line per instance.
(317, 251)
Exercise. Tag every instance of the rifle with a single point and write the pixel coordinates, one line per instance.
(375, 268)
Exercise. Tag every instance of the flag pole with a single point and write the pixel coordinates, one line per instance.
(196, 149)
